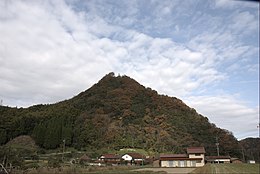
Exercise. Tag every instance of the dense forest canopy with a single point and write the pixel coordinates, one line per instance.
(250, 149)
(117, 112)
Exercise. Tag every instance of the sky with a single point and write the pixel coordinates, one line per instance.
(204, 52)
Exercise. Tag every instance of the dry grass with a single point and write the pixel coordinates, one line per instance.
(86, 170)
(23, 141)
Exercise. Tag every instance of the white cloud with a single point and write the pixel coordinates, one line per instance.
(51, 50)
(42, 62)
(66, 46)
(244, 22)
(224, 3)
(233, 4)
(228, 112)
(166, 66)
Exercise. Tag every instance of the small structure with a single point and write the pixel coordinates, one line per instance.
(133, 158)
(218, 159)
(251, 161)
(235, 160)
(194, 158)
(112, 159)
(156, 163)
(84, 159)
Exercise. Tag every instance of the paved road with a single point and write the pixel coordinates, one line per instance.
(169, 170)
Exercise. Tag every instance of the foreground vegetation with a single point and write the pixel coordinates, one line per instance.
(228, 169)
(21, 155)
(76, 169)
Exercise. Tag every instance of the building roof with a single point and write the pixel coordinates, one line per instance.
(84, 158)
(170, 157)
(173, 156)
(135, 155)
(195, 150)
(233, 159)
(110, 156)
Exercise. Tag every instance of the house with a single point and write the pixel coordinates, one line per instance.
(198, 154)
(218, 159)
(174, 160)
(110, 159)
(133, 158)
(194, 158)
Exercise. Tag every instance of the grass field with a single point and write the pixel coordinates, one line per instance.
(88, 170)
(228, 169)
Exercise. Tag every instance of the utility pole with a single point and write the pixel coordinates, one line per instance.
(242, 149)
(132, 138)
(63, 149)
(258, 127)
(142, 160)
(217, 144)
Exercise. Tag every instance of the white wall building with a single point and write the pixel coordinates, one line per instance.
(195, 157)
(133, 158)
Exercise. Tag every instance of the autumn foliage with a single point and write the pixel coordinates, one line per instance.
(114, 113)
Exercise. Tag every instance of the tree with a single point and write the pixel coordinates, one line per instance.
(3, 136)
(53, 134)
(67, 134)
(39, 134)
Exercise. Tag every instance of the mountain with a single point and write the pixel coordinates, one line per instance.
(114, 113)
(251, 148)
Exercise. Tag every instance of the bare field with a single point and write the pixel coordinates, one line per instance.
(228, 169)
(168, 170)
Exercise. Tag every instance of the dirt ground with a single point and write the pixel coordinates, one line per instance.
(169, 170)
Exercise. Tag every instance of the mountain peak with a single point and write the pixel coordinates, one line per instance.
(116, 81)
(119, 112)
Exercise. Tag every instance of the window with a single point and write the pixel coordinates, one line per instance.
(171, 163)
(181, 163)
(185, 163)
(193, 163)
(197, 154)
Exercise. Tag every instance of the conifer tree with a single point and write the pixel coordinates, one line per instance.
(39, 134)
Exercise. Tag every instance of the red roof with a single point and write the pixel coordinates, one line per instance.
(195, 150)
(170, 157)
(173, 156)
(136, 155)
(109, 156)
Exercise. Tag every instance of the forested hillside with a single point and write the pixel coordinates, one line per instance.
(251, 148)
(117, 112)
